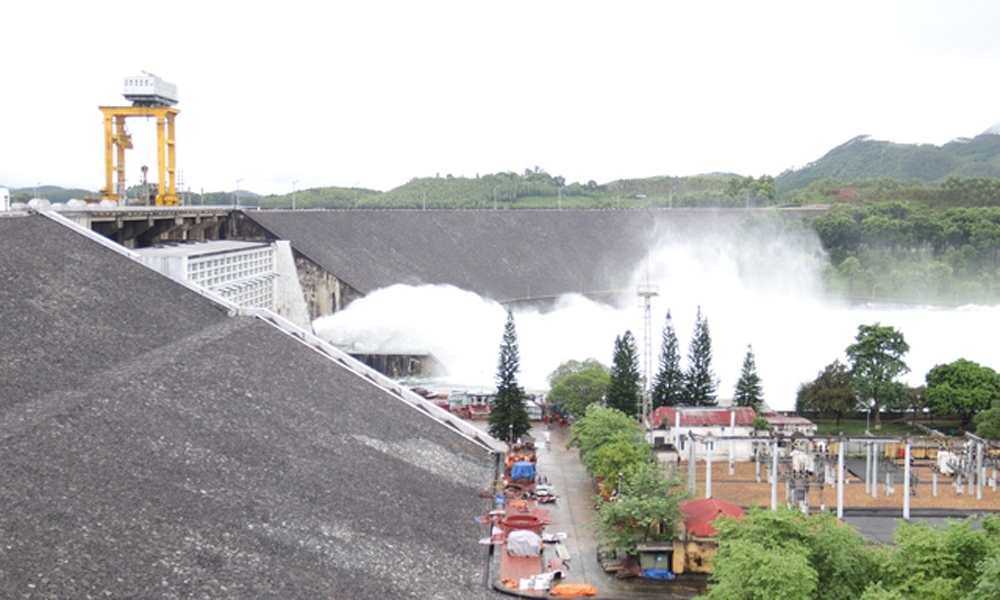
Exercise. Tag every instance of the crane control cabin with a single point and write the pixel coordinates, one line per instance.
(150, 97)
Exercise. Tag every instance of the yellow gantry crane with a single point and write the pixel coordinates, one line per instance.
(150, 97)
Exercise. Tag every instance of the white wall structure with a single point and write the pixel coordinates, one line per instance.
(787, 425)
(290, 299)
(673, 424)
(241, 272)
(4, 199)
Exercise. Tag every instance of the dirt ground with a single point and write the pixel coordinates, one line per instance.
(742, 488)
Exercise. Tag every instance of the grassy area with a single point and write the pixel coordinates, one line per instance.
(856, 427)
(949, 426)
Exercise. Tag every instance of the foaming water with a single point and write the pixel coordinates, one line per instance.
(763, 292)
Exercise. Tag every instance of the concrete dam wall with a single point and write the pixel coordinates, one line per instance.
(506, 255)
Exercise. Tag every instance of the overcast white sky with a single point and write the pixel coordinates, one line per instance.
(375, 93)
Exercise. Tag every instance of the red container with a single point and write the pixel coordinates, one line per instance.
(512, 522)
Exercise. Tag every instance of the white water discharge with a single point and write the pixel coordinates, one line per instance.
(764, 292)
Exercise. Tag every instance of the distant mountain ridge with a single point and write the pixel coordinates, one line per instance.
(858, 159)
(865, 158)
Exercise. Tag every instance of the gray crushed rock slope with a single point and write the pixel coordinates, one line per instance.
(152, 446)
(503, 254)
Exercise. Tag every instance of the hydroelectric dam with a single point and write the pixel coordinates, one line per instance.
(511, 256)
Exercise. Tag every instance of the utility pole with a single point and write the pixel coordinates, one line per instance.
(294, 183)
(646, 292)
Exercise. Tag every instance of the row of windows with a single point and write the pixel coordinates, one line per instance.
(214, 282)
(194, 268)
(246, 265)
(266, 256)
(240, 277)
(217, 276)
(253, 297)
(230, 267)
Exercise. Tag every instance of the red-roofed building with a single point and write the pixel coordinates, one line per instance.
(696, 544)
(670, 426)
(700, 516)
(701, 416)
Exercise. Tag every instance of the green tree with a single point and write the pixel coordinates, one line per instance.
(785, 554)
(938, 564)
(748, 570)
(877, 591)
(619, 456)
(761, 191)
(602, 426)
(624, 389)
(988, 585)
(700, 382)
(668, 385)
(760, 424)
(839, 233)
(749, 391)
(509, 417)
(831, 392)
(912, 399)
(576, 388)
(876, 359)
(572, 366)
(647, 509)
(961, 388)
(988, 423)
(801, 403)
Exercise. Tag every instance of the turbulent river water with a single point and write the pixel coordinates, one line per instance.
(772, 301)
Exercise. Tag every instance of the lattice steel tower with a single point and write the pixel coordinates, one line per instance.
(646, 292)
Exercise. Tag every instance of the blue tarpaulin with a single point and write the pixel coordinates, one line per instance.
(522, 470)
(657, 574)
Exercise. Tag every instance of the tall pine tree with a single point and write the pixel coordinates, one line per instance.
(700, 382)
(624, 391)
(509, 417)
(668, 385)
(749, 391)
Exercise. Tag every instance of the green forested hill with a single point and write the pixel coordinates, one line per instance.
(538, 189)
(864, 158)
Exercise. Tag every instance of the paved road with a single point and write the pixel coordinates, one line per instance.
(573, 513)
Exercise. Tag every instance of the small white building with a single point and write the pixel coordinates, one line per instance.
(4, 199)
(787, 425)
(671, 425)
(241, 272)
